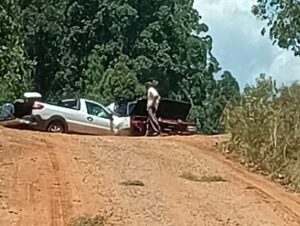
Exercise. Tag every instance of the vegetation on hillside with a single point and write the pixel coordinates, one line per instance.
(265, 129)
(264, 122)
(104, 49)
(15, 67)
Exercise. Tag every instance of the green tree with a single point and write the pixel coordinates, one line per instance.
(282, 18)
(115, 82)
(155, 35)
(105, 49)
(222, 92)
(43, 23)
(15, 68)
(228, 87)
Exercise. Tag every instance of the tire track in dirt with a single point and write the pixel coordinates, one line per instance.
(104, 166)
(58, 210)
(71, 175)
(35, 184)
(61, 205)
(11, 179)
(285, 203)
(166, 199)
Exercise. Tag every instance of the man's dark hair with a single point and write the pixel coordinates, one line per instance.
(148, 84)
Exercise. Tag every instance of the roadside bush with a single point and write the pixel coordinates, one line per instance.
(265, 130)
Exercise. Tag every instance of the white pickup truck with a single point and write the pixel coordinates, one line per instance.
(74, 116)
(77, 116)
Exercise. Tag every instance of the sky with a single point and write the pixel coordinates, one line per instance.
(239, 46)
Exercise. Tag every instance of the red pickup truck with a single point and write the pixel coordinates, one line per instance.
(171, 114)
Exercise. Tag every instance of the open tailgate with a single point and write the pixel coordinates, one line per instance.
(10, 120)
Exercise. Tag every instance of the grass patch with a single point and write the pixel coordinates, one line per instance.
(132, 183)
(88, 221)
(191, 177)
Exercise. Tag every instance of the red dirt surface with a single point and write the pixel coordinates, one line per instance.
(47, 179)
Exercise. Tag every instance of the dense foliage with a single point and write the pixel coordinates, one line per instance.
(15, 74)
(104, 49)
(265, 129)
(282, 18)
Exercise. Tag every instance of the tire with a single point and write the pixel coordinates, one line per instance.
(56, 127)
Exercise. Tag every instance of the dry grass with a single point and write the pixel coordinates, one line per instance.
(191, 177)
(265, 128)
(88, 221)
(132, 183)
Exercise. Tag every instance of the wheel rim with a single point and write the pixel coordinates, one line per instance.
(55, 128)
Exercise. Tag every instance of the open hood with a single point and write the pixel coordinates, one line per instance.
(167, 109)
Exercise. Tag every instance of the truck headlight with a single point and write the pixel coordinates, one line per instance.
(191, 128)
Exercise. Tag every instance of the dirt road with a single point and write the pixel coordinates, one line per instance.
(47, 179)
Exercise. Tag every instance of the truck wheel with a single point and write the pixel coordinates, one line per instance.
(56, 127)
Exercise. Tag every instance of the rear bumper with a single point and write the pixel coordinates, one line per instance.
(10, 122)
(172, 127)
(17, 122)
(178, 127)
(35, 122)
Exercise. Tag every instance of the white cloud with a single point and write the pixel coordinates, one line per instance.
(239, 46)
(285, 67)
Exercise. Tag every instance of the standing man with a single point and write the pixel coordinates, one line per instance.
(152, 106)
